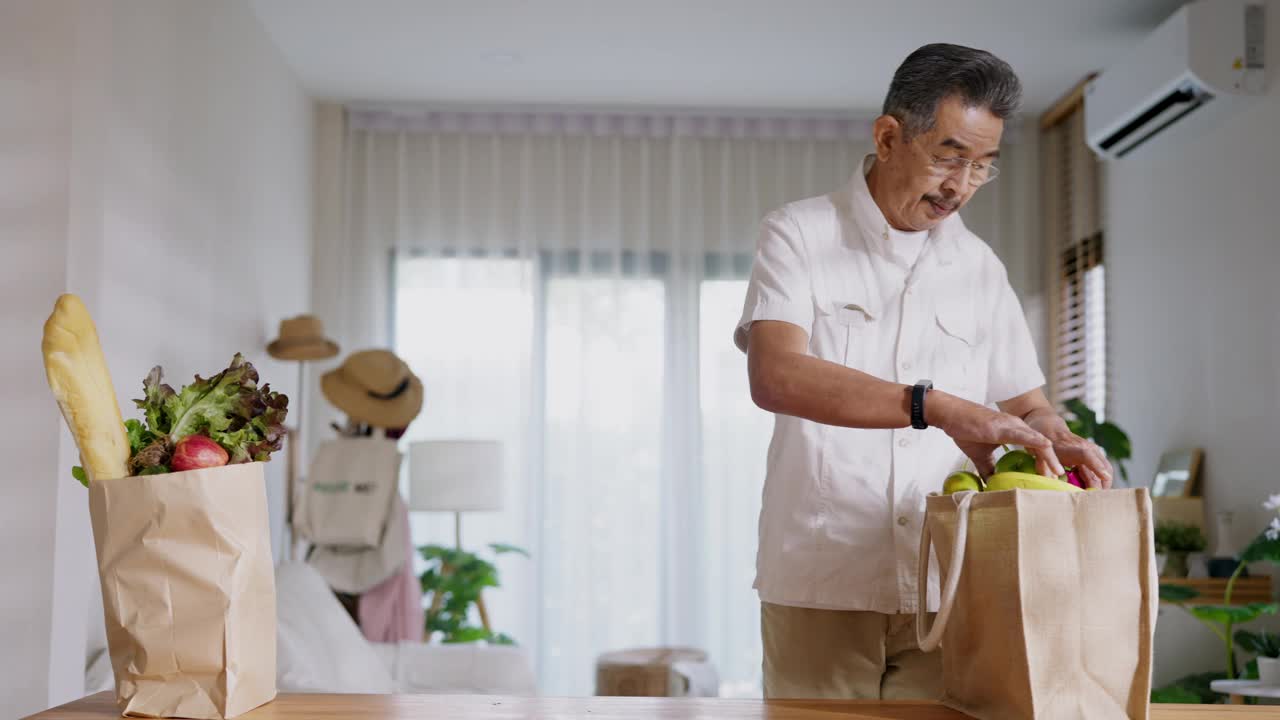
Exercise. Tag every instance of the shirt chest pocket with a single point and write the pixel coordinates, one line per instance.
(846, 333)
(959, 360)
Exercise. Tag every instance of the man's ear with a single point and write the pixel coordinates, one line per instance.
(886, 131)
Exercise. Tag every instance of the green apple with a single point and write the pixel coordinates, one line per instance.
(961, 480)
(1017, 461)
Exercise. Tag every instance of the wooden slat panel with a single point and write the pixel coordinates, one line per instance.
(1212, 590)
(1062, 108)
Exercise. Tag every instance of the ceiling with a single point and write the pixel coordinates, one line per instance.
(779, 55)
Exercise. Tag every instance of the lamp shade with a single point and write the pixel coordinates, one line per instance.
(455, 475)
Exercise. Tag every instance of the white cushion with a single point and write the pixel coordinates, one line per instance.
(459, 668)
(319, 648)
(98, 675)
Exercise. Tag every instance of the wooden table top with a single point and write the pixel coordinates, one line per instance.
(477, 707)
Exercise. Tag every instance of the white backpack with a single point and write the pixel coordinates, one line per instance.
(346, 501)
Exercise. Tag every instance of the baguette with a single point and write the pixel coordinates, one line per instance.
(78, 376)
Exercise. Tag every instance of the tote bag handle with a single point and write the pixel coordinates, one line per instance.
(931, 639)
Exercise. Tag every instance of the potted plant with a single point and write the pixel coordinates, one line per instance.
(1222, 619)
(1266, 646)
(453, 580)
(1175, 541)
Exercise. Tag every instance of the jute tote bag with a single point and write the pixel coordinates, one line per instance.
(1048, 602)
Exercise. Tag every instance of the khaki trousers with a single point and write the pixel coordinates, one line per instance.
(845, 654)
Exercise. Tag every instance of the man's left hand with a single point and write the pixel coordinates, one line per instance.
(1072, 450)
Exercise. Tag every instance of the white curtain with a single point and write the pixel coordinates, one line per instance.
(568, 284)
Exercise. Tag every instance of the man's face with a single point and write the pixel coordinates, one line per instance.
(913, 190)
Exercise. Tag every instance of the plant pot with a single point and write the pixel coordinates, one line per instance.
(1269, 671)
(1224, 567)
(1175, 565)
(1198, 565)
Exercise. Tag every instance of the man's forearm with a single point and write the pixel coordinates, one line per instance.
(792, 383)
(801, 385)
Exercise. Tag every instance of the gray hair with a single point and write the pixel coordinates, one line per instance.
(939, 71)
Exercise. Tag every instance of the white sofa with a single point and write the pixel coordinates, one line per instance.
(320, 649)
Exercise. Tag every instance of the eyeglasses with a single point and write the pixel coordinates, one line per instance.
(979, 173)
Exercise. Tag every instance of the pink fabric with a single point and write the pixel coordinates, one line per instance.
(392, 611)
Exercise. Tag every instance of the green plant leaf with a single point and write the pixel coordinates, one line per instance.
(78, 473)
(1262, 549)
(457, 604)
(503, 548)
(139, 435)
(467, 634)
(1249, 641)
(1233, 614)
(1190, 686)
(431, 552)
(1266, 644)
(430, 580)
(1177, 593)
(1179, 537)
(1175, 694)
(1086, 418)
(1113, 440)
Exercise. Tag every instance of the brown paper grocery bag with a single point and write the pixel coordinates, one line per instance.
(1048, 602)
(188, 590)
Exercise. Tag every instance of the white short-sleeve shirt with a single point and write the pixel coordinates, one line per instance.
(842, 512)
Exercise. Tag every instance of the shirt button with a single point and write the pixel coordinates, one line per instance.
(902, 520)
(906, 366)
(903, 442)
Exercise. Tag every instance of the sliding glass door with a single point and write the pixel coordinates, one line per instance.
(635, 457)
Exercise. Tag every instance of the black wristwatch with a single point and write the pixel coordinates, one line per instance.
(917, 403)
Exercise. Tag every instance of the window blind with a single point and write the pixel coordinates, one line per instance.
(1070, 186)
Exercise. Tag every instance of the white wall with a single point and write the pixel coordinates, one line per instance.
(34, 150)
(1193, 252)
(157, 164)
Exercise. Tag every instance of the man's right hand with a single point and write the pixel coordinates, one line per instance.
(978, 430)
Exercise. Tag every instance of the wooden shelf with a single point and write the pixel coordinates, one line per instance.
(1247, 589)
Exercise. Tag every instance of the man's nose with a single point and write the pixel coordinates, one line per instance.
(954, 185)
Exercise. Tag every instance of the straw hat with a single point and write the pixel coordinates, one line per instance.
(374, 387)
(302, 338)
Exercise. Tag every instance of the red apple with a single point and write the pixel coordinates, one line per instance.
(197, 451)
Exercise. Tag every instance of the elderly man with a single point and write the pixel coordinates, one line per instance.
(879, 329)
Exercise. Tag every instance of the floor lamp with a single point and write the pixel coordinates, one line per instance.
(456, 476)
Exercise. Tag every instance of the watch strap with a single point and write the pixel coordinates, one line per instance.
(918, 392)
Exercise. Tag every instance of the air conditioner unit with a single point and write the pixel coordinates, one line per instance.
(1206, 50)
